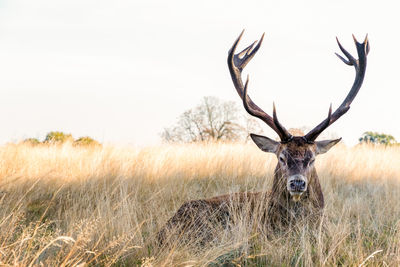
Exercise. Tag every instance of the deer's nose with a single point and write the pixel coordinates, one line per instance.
(297, 185)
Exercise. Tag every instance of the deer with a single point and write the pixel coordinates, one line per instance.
(296, 191)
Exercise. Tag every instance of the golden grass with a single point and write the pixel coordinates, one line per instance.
(67, 206)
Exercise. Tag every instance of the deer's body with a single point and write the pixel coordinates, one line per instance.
(296, 191)
(197, 219)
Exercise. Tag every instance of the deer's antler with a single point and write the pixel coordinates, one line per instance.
(360, 65)
(236, 63)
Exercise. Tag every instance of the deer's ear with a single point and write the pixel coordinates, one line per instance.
(325, 145)
(264, 143)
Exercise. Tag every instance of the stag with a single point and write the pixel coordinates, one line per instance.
(296, 191)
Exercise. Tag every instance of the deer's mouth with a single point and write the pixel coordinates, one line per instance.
(296, 196)
(297, 185)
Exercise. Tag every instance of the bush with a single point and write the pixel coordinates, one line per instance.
(57, 138)
(86, 141)
(31, 141)
(377, 138)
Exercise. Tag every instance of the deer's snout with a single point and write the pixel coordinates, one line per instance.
(297, 184)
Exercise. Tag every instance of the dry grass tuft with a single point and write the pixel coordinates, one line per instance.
(66, 206)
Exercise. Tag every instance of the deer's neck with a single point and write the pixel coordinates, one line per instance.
(282, 209)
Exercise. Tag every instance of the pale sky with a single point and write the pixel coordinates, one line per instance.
(121, 71)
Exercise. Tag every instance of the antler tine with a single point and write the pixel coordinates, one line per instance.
(366, 44)
(236, 63)
(351, 60)
(245, 100)
(360, 66)
(279, 125)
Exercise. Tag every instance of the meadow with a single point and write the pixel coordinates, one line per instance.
(65, 205)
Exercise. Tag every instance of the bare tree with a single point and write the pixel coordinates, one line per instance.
(212, 120)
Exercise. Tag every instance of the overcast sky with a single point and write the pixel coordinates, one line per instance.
(121, 71)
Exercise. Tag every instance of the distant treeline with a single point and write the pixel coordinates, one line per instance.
(378, 138)
(56, 138)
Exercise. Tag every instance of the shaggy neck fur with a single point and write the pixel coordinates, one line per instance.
(283, 211)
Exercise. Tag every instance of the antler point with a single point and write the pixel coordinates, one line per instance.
(354, 38)
(262, 38)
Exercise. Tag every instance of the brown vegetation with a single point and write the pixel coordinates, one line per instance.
(74, 205)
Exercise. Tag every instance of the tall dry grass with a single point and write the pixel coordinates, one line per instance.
(68, 206)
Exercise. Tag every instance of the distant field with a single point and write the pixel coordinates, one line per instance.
(66, 205)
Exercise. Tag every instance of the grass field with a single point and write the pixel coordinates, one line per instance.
(68, 206)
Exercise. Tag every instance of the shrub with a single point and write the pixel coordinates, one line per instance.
(377, 138)
(86, 141)
(57, 138)
(31, 141)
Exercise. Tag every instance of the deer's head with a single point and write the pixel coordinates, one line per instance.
(296, 154)
(295, 159)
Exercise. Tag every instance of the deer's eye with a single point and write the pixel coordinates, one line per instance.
(282, 160)
(311, 162)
